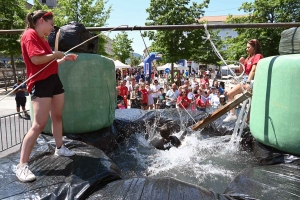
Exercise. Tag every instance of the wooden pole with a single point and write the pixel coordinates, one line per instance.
(221, 111)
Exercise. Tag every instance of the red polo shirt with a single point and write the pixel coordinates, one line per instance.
(34, 45)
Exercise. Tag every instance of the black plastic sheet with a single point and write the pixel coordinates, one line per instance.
(270, 156)
(59, 177)
(268, 182)
(103, 139)
(156, 189)
(73, 34)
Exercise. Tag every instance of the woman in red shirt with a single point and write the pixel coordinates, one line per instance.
(46, 89)
(183, 101)
(250, 63)
(144, 97)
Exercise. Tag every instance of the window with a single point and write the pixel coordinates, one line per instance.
(43, 1)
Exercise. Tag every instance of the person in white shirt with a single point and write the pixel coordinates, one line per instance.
(155, 92)
(171, 96)
(194, 83)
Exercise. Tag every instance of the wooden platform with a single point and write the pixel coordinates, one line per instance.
(221, 111)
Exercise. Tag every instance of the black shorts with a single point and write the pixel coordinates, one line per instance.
(47, 87)
(171, 106)
(144, 104)
(21, 101)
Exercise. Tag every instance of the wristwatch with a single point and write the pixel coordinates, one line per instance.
(248, 82)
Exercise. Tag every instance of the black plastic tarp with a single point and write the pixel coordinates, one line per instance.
(103, 139)
(270, 156)
(155, 189)
(276, 182)
(73, 177)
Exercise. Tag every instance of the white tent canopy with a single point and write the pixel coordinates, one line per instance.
(120, 65)
(168, 65)
(176, 67)
(182, 68)
(141, 64)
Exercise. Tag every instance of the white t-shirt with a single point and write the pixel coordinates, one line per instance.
(155, 90)
(215, 100)
(194, 83)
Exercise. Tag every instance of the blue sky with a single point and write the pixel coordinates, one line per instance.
(133, 12)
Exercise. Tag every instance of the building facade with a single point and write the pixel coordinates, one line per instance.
(49, 3)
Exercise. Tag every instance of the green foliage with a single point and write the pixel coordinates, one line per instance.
(262, 11)
(204, 53)
(134, 61)
(12, 15)
(175, 44)
(88, 12)
(122, 47)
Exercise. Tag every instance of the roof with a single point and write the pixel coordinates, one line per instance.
(221, 18)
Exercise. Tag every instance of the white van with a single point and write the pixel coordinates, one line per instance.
(226, 73)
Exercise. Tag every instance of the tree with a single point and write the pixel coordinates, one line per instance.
(205, 53)
(88, 12)
(12, 15)
(122, 46)
(134, 61)
(262, 11)
(175, 44)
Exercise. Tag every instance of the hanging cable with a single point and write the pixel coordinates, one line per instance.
(221, 58)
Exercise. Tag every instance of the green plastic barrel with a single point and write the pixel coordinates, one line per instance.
(90, 94)
(275, 114)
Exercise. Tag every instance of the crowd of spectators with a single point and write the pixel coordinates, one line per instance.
(136, 91)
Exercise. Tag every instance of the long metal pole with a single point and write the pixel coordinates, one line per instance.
(181, 27)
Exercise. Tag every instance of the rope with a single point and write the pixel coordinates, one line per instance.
(221, 58)
(55, 60)
(188, 113)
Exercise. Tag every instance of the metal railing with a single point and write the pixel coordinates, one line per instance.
(12, 130)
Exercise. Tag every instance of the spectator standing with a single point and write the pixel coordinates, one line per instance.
(161, 100)
(120, 100)
(222, 100)
(123, 92)
(20, 97)
(136, 97)
(144, 97)
(150, 97)
(137, 77)
(171, 96)
(155, 92)
(183, 101)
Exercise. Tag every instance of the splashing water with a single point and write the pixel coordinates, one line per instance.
(199, 160)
